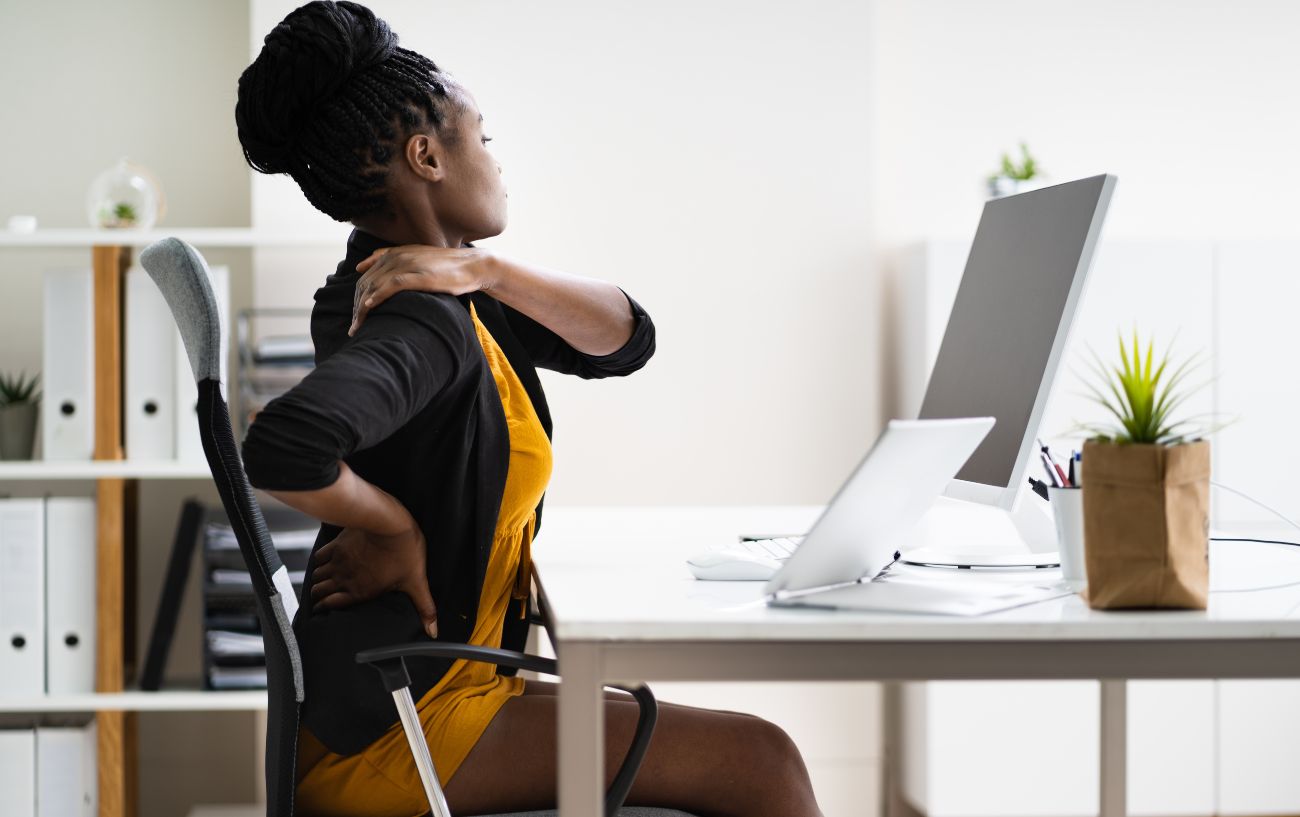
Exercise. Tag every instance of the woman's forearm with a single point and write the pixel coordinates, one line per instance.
(592, 316)
(351, 502)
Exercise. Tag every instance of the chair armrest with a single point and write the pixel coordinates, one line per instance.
(391, 665)
(437, 649)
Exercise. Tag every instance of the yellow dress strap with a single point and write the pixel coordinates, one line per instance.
(524, 577)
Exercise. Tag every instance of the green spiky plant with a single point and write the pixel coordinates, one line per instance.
(1142, 394)
(19, 389)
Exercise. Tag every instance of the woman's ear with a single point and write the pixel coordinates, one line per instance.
(425, 158)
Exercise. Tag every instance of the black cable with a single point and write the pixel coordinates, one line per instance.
(1261, 541)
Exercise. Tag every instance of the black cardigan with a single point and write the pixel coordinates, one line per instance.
(410, 404)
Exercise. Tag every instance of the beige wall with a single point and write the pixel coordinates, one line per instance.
(711, 158)
(1192, 103)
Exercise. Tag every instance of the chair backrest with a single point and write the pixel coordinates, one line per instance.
(182, 275)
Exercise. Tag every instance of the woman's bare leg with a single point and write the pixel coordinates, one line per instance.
(713, 764)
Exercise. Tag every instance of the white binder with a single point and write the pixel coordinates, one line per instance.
(68, 366)
(22, 597)
(189, 447)
(70, 594)
(18, 772)
(149, 393)
(66, 777)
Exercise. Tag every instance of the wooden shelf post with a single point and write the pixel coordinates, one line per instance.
(114, 728)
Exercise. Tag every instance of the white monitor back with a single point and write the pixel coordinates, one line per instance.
(1024, 279)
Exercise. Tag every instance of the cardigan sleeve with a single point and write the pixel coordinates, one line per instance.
(363, 393)
(550, 351)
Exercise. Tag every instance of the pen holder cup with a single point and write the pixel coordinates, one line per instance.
(1067, 508)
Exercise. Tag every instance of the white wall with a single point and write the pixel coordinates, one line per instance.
(1191, 102)
(711, 158)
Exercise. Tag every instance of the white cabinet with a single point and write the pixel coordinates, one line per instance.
(1030, 749)
(1195, 747)
(1001, 749)
(1258, 384)
(1258, 724)
(1171, 748)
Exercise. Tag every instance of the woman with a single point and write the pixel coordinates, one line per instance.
(421, 441)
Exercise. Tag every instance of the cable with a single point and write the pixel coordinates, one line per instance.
(1249, 498)
(1273, 511)
(1248, 539)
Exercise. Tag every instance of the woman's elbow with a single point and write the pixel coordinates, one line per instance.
(274, 463)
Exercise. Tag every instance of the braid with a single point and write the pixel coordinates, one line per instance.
(329, 101)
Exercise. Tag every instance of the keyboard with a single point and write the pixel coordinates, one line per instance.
(778, 548)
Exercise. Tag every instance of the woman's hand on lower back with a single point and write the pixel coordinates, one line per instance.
(358, 566)
(390, 270)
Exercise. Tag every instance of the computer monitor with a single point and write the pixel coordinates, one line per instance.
(1009, 326)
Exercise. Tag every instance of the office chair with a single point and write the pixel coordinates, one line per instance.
(181, 274)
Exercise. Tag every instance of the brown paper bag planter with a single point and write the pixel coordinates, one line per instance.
(1146, 512)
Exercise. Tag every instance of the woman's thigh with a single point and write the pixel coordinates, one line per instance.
(713, 764)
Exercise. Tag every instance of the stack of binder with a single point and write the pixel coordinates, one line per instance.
(275, 353)
(68, 366)
(47, 596)
(233, 654)
(49, 772)
(160, 398)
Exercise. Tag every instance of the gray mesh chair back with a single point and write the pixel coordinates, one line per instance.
(182, 275)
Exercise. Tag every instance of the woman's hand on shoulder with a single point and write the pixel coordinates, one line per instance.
(359, 565)
(390, 270)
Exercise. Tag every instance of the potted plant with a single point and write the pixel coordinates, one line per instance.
(1015, 177)
(19, 404)
(1146, 486)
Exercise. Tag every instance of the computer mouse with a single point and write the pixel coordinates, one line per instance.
(732, 565)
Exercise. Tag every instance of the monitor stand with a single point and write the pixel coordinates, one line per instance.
(957, 533)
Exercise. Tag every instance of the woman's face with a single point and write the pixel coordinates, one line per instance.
(471, 198)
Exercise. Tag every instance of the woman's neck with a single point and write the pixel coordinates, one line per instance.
(403, 230)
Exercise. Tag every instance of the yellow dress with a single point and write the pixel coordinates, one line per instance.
(381, 780)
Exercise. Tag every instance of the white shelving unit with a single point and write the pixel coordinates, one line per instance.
(198, 236)
(112, 705)
(12, 470)
(134, 700)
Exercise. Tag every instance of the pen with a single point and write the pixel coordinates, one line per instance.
(1052, 479)
(1062, 482)
(1074, 455)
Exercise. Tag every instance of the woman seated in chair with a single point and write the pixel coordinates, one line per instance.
(421, 441)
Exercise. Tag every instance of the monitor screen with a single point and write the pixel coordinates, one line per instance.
(997, 350)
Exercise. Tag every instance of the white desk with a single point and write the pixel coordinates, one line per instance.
(626, 610)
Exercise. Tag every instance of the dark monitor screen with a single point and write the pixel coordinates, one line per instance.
(997, 348)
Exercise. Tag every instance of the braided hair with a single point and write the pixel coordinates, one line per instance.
(330, 99)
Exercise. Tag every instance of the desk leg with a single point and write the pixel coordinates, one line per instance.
(1114, 748)
(581, 730)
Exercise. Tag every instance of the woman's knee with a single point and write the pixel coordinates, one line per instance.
(772, 748)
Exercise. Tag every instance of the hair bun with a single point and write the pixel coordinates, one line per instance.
(304, 61)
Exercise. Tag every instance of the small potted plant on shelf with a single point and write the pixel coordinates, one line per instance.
(123, 215)
(1146, 485)
(19, 403)
(1015, 177)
